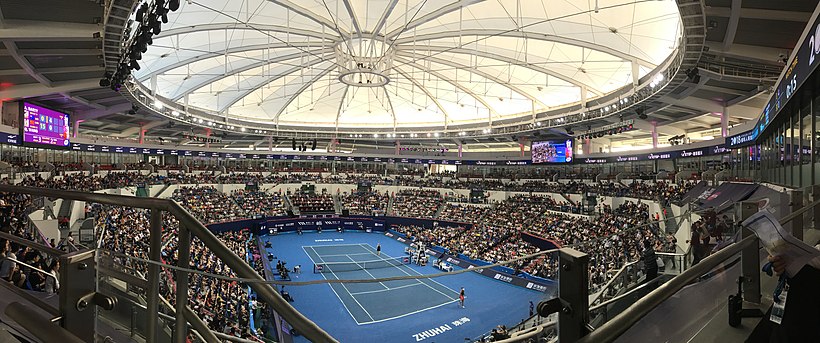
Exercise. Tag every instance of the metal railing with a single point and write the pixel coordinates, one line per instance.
(616, 326)
(619, 276)
(42, 328)
(188, 226)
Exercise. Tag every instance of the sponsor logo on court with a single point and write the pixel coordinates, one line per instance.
(432, 332)
(441, 329)
(536, 287)
(502, 277)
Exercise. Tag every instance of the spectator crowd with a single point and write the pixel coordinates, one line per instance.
(491, 232)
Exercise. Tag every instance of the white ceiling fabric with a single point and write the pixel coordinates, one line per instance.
(274, 61)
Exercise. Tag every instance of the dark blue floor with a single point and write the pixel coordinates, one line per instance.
(394, 311)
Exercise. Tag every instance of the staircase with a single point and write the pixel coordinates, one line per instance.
(566, 197)
(671, 223)
(389, 209)
(440, 209)
(164, 188)
(288, 204)
(65, 209)
(337, 204)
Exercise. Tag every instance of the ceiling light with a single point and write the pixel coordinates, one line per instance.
(158, 105)
(175, 113)
(375, 135)
(243, 129)
(436, 134)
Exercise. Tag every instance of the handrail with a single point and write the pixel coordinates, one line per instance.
(616, 326)
(266, 292)
(619, 297)
(171, 308)
(611, 280)
(31, 298)
(532, 333)
(31, 244)
(47, 274)
(42, 328)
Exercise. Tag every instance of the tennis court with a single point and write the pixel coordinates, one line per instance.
(377, 301)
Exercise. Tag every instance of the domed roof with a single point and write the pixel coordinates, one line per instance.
(375, 64)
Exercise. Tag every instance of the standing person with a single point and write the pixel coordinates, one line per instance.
(650, 261)
(532, 308)
(378, 249)
(461, 297)
(53, 279)
(696, 249)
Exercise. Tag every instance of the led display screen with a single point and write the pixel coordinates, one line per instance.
(553, 151)
(41, 125)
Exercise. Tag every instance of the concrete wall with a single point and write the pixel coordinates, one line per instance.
(49, 228)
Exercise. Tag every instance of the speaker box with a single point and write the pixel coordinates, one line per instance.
(345, 213)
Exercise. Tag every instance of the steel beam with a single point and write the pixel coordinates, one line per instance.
(527, 35)
(451, 7)
(482, 74)
(501, 58)
(301, 89)
(429, 95)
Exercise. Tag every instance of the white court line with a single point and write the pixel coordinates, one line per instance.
(335, 255)
(368, 273)
(409, 313)
(343, 286)
(388, 289)
(331, 287)
(330, 245)
(420, 280)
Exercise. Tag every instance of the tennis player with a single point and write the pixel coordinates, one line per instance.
(378, 249)
(461, 297)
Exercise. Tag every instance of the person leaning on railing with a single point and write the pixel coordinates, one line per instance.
(801, 317)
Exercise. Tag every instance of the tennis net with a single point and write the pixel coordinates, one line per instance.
(335, 267)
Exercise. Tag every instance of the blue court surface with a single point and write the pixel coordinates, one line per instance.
(412, 310)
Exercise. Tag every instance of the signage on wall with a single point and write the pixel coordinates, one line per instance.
(6, 138)
(714, 150)
(803, 63)
(742, 139)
